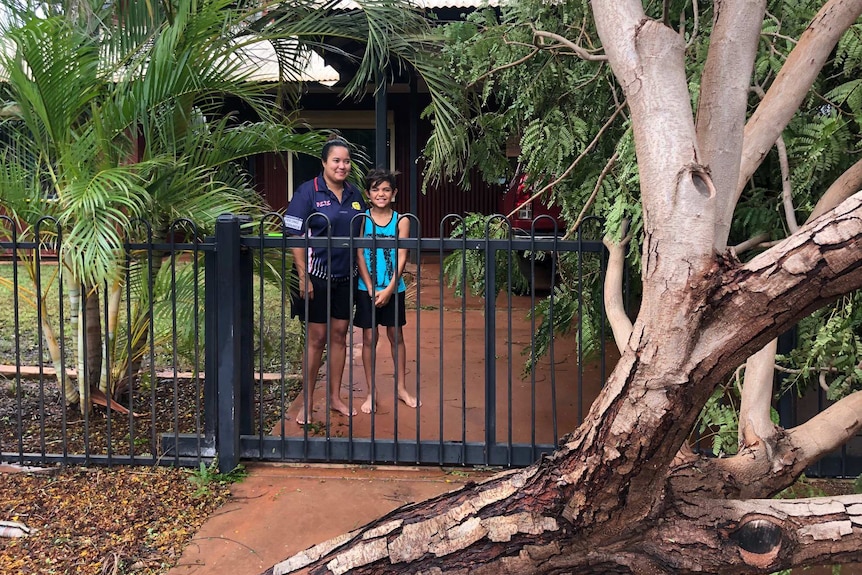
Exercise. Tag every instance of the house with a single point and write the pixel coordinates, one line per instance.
(386, 126)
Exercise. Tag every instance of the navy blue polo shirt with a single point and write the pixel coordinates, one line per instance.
(313, 197)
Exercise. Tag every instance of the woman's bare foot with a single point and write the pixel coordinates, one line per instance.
(341, 408)
(367, 405)
(300, 417)
(407, 398)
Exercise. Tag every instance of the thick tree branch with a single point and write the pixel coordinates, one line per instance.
(773, 462)
(754, 421)
(724, 95)
(845, 186)
(648, 60)
(829, 429)
(767, 296)
(783, 284)
(768, 534)
(621, 325)
(790, 87)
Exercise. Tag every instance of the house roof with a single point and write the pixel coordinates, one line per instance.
(431, 4)
(261, 58)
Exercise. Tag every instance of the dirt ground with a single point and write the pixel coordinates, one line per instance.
(92, 521)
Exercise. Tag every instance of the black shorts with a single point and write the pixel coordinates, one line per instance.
(338, 296)
(382, 315)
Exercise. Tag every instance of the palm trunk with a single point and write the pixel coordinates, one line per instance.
(55, 351)
(89, 340)
(105, 380)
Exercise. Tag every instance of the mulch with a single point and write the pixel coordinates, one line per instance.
(94, 521)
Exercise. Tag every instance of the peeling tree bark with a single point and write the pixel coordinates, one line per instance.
(623, 494)
(615, 498)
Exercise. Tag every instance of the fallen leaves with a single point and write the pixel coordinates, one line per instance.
(93, 520)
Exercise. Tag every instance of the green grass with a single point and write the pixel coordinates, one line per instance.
(166, 355)
(27, 318)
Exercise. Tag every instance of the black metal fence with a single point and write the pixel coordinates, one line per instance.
(191, 352)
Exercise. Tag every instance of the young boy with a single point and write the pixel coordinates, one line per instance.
(381, 287)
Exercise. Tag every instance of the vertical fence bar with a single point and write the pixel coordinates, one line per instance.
(261, 315)
(490, 345)
(17, 335)
(534, 359)
(246, 317)
(211, 340)
(127, 289)
(510, 263)
(64, 414)
(107, 340)
(551, 357)
(37, 255)
(173, 230)
(196, 366)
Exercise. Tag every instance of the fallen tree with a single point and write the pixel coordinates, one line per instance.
(624, 493)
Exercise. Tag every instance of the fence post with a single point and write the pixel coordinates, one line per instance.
(490, 348)
(228, 348)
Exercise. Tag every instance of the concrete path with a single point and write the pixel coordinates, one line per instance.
(279, 510)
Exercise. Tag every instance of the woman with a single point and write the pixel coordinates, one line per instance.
(326, 276)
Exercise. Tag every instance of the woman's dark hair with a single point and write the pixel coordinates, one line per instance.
(334, 141)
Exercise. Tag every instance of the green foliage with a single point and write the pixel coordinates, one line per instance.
(114, 113)
(718, 422)
(466, 269)
(207, 476)
(577, 297)
(829, 350)
(533, 91)
(576, 302)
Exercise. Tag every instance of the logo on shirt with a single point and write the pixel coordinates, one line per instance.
(355, 206)
(323, 203)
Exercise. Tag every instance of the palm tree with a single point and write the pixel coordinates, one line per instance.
(128, 110)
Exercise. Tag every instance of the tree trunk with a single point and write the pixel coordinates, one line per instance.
(619, 496)
(90, 347)
(623, 493)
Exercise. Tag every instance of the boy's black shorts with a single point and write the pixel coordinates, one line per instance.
(382, 315)
(338, 293)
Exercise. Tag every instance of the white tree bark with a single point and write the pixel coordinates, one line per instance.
(622, 494)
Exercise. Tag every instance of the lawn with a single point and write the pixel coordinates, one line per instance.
(34, 418)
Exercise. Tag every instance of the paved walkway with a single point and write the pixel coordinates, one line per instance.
(445, 339)
(280, 510)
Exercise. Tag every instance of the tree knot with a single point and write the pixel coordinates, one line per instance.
(759, 541)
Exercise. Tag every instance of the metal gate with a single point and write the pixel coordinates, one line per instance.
(489, 395)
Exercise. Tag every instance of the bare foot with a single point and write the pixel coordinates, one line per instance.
(300, 418)
(407, 398)
(341, 408)
(367, 405)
